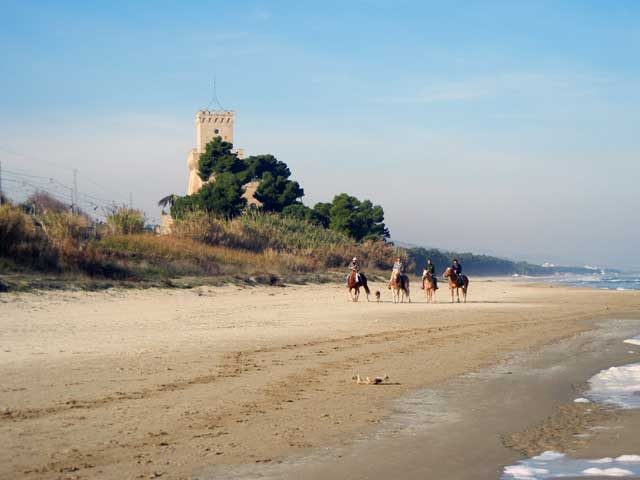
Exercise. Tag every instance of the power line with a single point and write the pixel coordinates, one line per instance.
(36, 188)
(14, 152)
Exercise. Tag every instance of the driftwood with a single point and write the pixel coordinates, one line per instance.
(370, 381)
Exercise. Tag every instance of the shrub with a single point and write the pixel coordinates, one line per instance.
(125, 221)
(43, 202)
(23, 240)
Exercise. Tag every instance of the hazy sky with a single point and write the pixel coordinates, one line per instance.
(503, 127)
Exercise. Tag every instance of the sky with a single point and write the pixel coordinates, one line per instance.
(498, 127)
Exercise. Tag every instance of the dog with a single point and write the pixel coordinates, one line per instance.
(378, 296)
(370, 381)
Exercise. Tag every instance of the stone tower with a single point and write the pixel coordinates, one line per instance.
(208, 125)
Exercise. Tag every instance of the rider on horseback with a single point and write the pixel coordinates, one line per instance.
(398, 269)
(354, 266)
(430, 271)
(457, 269)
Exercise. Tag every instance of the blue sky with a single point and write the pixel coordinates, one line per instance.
(502, 127)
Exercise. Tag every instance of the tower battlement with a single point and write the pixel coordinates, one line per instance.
(215, 116)
(211, 124)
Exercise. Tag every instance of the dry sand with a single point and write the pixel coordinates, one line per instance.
(141, 384)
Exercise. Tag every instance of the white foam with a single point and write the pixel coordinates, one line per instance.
(549, 455)
(617, 385)
(633, 341)
(607, 472)
(551, 465)
(628, 458)
(582, 400)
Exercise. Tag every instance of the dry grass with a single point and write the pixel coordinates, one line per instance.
(258, 246)
(280, 235)
(184, 256)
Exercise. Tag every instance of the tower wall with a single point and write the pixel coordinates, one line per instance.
(208, 126)
(213, 124)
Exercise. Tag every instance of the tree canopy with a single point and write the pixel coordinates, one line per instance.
(222, 197)
(218, 158)
(359, 219)
(277, 192)
(225, 174)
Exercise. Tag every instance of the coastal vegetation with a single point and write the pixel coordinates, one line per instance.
(225, 175)
(217, 235)
(255, 247)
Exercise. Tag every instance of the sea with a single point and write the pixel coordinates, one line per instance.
(616, 386)
(602, 281)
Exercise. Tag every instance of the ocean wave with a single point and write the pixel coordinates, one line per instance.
(551, 464)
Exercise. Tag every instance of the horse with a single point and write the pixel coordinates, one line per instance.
(356, 280)
(430, 287)
(457, 282)
(399, 286)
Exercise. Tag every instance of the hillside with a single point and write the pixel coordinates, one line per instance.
(484, 265)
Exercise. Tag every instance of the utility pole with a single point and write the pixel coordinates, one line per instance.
(74, 195)
(0, 182)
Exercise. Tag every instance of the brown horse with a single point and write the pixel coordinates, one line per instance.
(354, 282)
(399, 286)
(430, 286)
(456, 283)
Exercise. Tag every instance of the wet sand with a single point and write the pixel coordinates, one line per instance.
(136, 384)
(474, 425)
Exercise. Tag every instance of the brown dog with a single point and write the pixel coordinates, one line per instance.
(378, 296)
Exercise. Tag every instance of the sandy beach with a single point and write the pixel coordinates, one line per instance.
(164, 383)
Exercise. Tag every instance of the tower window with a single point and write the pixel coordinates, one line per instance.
(216, 131)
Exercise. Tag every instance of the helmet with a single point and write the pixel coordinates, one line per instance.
(354, 259)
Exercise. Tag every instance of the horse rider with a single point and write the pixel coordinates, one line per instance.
(456, 267)
(398, 269)
(430, 270)
(354, 266)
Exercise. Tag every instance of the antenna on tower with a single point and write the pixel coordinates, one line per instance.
(215, 97)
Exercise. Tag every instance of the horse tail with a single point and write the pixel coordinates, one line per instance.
(365, 283)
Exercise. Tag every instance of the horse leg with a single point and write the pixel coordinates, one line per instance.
(451, 288)
(458, 294)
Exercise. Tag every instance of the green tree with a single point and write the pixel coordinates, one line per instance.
(360, 220)
(301, 212)
(322, 212)
(276, 192)
(223, 196)
(182, 206)
(257, 165)
(218, 158)
(167, 201)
